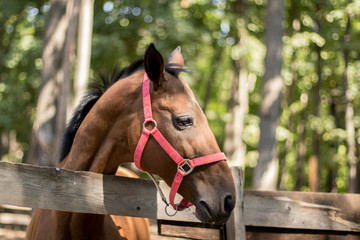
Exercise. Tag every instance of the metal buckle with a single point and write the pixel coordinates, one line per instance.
(186, 167)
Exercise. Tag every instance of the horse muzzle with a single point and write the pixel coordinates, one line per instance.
(215, 210)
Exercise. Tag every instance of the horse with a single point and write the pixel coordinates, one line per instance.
(146, 114)
(128, 227)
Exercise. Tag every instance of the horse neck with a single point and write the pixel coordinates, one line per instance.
(101, 143)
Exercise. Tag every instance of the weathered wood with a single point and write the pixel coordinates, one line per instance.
(186, 215)
(13, 218)
(235, 227)
(52, 188)
(190, 230)
(255, 233)
(15, 209)
(66, 190)
(302, 210)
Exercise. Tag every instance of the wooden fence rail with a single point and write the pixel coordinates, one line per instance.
(270, 213)
(87, 192)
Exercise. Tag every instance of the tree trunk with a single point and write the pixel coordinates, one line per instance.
(234, 146)
(48, 128)
(229, 132)
(300, 157)
(240, 111)
(4, 143)
(212, 76)
(314, 159)
(266, 171)
(290, 96)
(84, 49)
(333, 170)
(349, 117)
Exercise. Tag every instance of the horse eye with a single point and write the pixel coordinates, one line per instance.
(183, 121)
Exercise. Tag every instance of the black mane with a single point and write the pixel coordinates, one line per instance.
(96, 90)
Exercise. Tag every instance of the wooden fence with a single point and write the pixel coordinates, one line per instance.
(258, 214)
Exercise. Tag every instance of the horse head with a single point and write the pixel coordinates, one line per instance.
(148, 114)
(183, 125)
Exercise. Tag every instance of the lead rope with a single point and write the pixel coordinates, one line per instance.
(163, 198)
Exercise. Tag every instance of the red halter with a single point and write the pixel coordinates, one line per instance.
(185, 166)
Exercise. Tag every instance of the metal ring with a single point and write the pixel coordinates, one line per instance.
(171, 215)
(149, 121)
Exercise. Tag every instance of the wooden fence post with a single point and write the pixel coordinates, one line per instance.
(235, 227)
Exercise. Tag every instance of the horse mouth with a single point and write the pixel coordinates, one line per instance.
(207, 214)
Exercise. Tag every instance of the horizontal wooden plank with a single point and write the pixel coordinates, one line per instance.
(60, 189)
(15, 219)
(12, 234)
(14, 209)
(65, 190)
(255, 233)
(190, 230)
(302, 210)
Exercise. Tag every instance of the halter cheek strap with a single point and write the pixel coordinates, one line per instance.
(185, 166)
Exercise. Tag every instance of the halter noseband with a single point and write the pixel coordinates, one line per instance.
(185, 166)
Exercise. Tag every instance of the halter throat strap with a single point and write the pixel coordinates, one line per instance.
(185, 166)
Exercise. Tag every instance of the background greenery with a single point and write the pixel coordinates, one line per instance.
(208, 32)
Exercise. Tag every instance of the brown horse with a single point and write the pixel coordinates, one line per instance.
(105, 132)
(128, 227)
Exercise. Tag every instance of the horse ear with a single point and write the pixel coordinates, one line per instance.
(176, 58)
(154, 64)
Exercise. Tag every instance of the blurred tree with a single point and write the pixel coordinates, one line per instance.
(289, 99)
(20, 48)
(238, 104)
(266, 170)
(314, 159)
(349, 115)
(58, 54)
(83, 49)
(216, 58)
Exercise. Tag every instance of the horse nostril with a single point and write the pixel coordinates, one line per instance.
(206, 208)
(228, 204)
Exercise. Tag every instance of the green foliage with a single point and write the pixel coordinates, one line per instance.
(20, 63)
(300, 74)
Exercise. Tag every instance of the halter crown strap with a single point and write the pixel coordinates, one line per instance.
(185, 166)
(146, 98)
